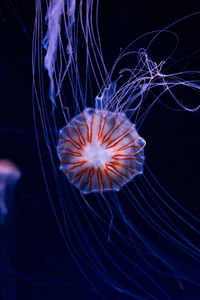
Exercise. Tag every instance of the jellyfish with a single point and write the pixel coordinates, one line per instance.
(95, 155)
(9, 175)
(119, 224)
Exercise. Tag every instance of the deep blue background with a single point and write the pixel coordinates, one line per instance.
(44, 268)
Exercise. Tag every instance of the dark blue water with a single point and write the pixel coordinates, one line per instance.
(42, 268)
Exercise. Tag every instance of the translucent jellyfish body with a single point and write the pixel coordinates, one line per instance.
(9, 175)
(100, 150)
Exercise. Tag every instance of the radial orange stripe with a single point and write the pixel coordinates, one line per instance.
(72, 168)
(89, 178)
(70, 163)
(101, 178)
(111, 165)
(127, 146)
(136, 147)
(63, 139)
(91, 128)
(75, 142)
(86, 125)
(98, 180)
(70, 142)
(71, 151)
(104, 124)
(124, 158)
(74, 154)
(114, 172)
(120, 124)
(77, 133)
(106, 137)
(112, 179)
(126, 167)
(79, 174)
(100, 124)
(123, 135)
(80, 132)
(109, 178)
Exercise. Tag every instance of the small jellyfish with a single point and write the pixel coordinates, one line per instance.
(9, 175)
(100, 150)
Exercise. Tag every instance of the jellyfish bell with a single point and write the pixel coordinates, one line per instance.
(9, 168)
(100, 150)
(9, 175)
